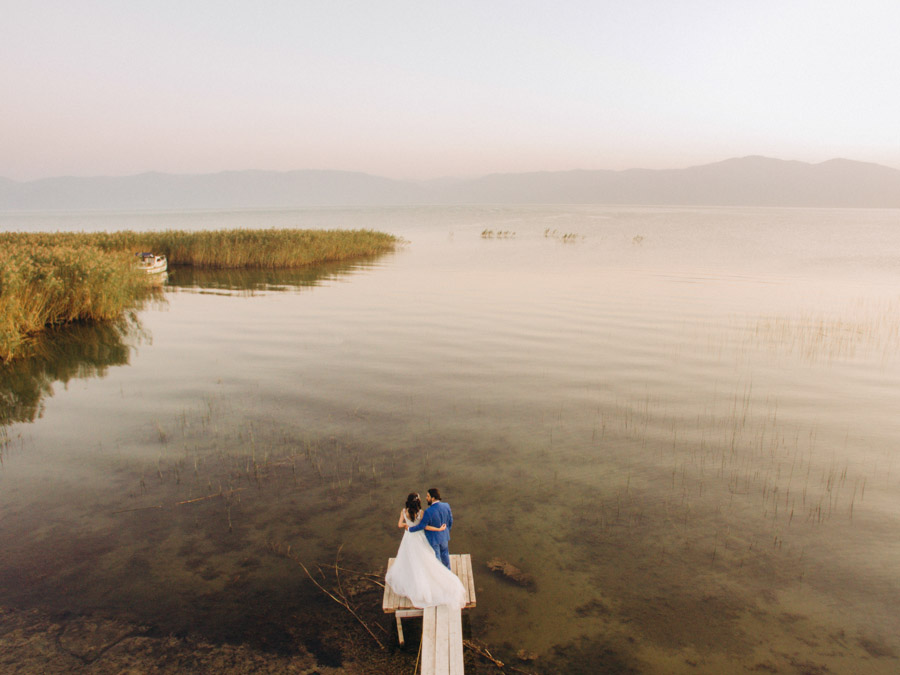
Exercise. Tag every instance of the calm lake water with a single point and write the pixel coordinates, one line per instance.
(682, 423)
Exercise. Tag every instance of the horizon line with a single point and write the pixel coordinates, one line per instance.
(151, 172)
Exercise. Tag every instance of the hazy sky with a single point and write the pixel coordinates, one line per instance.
(427, 88)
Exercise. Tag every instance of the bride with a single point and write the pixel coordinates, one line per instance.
(416, 572)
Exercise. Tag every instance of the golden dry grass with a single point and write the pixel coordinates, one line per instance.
(55, 278)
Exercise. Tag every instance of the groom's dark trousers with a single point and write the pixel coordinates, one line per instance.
(436, 515)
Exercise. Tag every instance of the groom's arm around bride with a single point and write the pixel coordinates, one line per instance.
(438, 513)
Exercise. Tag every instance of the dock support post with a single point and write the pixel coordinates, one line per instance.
(399, 629)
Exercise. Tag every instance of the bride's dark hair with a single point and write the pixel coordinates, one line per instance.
(413, 505)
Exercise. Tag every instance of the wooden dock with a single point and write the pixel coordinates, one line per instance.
(442, 647)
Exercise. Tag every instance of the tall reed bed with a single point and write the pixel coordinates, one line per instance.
(271, 248)
(55, 278)
(43, 285)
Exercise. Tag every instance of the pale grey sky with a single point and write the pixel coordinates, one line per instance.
(427, 88)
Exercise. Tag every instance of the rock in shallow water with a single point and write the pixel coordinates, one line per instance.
(510, 572)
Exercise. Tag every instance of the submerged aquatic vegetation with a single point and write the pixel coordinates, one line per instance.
(56, 278)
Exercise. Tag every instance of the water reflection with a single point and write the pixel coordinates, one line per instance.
(259, 280)
(87, 350)
(78, 351)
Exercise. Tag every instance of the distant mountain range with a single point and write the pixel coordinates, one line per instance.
(747, 181)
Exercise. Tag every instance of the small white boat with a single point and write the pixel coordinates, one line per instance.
(152, 264)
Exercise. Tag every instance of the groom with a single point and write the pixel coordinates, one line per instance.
(438, 513)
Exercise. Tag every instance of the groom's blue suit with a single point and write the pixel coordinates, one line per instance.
(436, 515)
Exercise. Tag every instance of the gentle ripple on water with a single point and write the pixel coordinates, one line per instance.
(688, 439)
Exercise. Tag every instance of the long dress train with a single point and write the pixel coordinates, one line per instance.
(420, 576)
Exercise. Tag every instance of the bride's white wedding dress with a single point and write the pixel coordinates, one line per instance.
(420, 576)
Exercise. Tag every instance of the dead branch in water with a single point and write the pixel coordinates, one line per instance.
(281, 550)
(374, 578)
(482, 651)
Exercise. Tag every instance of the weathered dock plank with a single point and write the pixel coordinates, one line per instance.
(389, 600)
(429, 626)
(456, 642)
(442, 645)
(469, 582)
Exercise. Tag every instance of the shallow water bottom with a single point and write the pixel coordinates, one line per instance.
(640, 568)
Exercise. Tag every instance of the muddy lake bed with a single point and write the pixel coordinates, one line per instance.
(681, 423)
